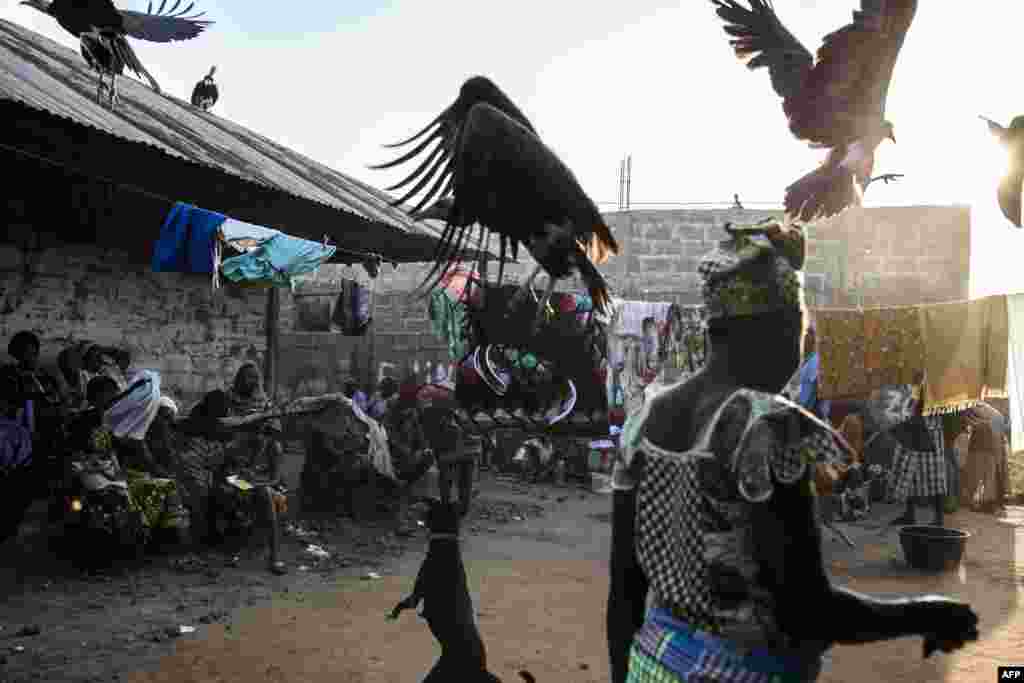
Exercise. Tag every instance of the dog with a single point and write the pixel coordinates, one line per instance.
(442, 587)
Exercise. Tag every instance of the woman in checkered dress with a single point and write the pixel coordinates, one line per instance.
(918, 473)
(716, 568)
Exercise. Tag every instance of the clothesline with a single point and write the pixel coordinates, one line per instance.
(363, 256)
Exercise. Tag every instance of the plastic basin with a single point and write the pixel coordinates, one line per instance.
(933, 548)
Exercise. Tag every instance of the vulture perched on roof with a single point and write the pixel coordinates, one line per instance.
(490, 167)
(1009, 191)
(205, 94)
(102, 30)
(836, 101)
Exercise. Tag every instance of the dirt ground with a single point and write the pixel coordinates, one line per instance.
(537, 562)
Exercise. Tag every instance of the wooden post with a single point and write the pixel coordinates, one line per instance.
(273, 331)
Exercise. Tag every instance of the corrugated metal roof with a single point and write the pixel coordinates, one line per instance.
(42, 74)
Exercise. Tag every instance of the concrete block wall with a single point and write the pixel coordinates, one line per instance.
(197, 338)
(173, 323)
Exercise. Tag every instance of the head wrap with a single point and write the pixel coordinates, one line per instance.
(756, 270)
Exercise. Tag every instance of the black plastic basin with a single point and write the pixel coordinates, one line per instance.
(933, 548)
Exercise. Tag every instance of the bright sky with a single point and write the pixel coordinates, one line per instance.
(335, 80)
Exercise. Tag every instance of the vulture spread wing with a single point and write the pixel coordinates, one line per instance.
(832, 101)
(446, 129)
(498, 173)
(760, 40)
(164, 27)
(850, 81)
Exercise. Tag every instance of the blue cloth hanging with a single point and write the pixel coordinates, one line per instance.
(186, 243)
(277, 260)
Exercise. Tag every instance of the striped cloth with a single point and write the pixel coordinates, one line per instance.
(917, 474)
(668, 651)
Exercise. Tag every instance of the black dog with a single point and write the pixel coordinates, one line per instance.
(448, 608)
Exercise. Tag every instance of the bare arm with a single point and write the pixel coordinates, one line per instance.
(788, 550)
(627, 594)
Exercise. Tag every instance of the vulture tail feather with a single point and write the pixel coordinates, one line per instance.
(434, 193)
(422, 172)
(408, 155)
(127, 55)
(449, 244)
(824, 192)
(423, 131)
(422, 167)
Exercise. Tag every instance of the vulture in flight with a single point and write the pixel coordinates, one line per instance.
(490, 171)
(102, 30)
(205, 94)
(836, 101)
(1009, 192)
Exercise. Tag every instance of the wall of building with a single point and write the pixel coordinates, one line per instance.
(171, 322)
(197, 338)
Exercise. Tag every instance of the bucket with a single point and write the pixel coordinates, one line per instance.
(933, 548)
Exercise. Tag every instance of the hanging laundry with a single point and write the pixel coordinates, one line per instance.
(1015, 318)
(187, 241)
(352, 310)
(629, 316)
(965, 353)
(244, 237)
(277, 260)
(866, 350)
(448, 321)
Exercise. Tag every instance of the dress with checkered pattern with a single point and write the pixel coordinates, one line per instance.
(694, 512)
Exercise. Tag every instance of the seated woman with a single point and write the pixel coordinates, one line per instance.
(40, 400)
(18, 483)
(92, 443)
(253, 455)
(246, 397)
(713, 507)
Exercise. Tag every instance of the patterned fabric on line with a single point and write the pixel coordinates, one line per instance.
(667, 651)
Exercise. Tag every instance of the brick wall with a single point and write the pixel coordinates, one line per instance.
(875, 256)
(171, 322)
(197, 338)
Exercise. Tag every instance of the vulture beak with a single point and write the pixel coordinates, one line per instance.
(892, 136)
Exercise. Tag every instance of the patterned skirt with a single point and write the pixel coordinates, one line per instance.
(917, 474)
(667, 650)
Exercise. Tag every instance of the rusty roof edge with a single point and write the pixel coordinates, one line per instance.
(387, 215)
(262, 186)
